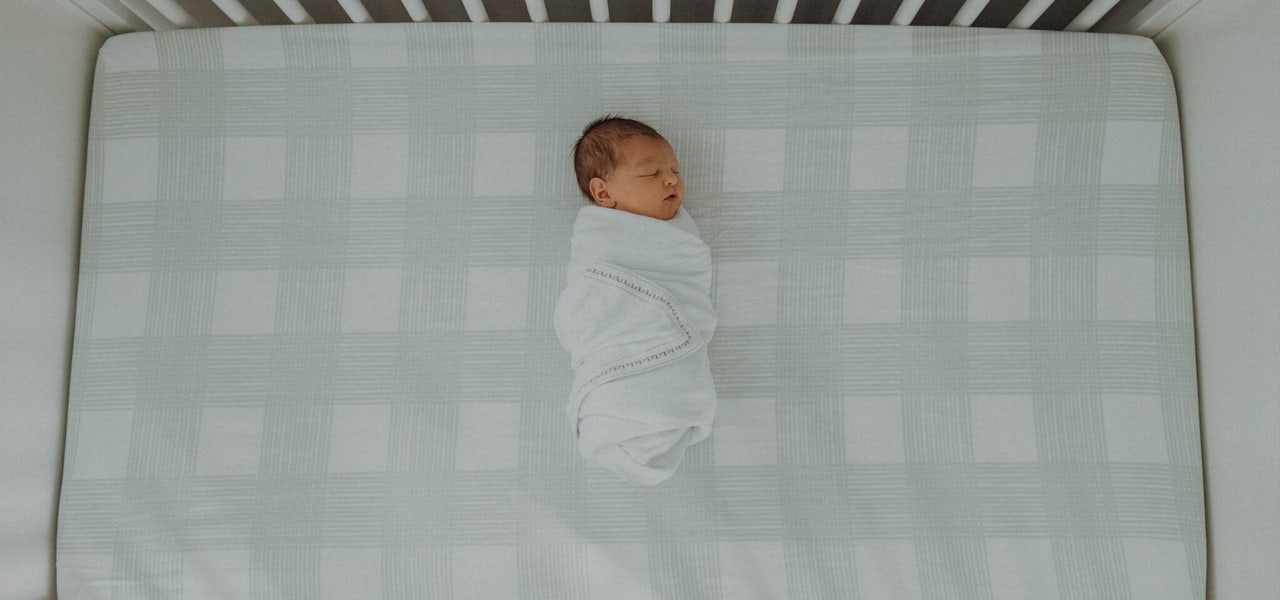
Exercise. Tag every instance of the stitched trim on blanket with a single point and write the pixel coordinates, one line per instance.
(671, 309)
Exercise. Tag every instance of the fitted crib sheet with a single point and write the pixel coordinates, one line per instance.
(314, 355)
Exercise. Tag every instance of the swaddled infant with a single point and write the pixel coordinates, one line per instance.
(636, 314)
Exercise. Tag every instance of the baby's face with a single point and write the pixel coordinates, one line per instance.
(646, 182)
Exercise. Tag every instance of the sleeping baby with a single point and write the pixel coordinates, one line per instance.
(636, 314)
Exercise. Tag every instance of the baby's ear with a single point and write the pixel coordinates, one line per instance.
(600, 192)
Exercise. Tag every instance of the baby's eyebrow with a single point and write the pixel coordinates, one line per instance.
(654, 162)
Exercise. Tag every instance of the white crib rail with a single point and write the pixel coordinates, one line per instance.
(1091, 15)
(785, 12)
(418, 11)
(537, 10)
(133, 15)
(661, 11)
(475, 11)
(600, 11)
(968, 12)
(907, 12)
(723, 11)
(236, 12)
(293, 9)
(1030, 12)
(356, 10)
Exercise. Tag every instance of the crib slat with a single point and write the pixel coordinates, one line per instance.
(476, 11)
(844, 12)
(537, 10)
(907, 12)
(356, 11)
(417, 11)
(785, 12)
(1029, 14)
(661, 11)
(169, 14)
(236, 12)
(116, 16)
(295, 12)
(174, 13)
(1152, 19)
(969, 12)
(723, 11)
(600, 11)
(149, 15)
(1091, 15)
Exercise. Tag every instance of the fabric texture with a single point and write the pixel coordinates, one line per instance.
(636, 317)
(314, 351)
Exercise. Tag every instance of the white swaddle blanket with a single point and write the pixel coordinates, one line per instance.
(636, 317)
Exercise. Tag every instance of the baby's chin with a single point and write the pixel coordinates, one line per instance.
(674, 209)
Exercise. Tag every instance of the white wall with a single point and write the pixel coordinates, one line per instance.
(46, 64)
(1225, 57)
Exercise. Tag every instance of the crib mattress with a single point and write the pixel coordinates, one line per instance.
(314, 355)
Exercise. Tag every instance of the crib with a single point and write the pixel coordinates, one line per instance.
(319, 243)
(1144, 17)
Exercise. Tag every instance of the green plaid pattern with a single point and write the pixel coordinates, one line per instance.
(314, 355)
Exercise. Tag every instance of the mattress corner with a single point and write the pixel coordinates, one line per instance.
(134, 51)
(1129, 42)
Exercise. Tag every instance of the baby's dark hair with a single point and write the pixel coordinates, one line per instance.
(596, 153)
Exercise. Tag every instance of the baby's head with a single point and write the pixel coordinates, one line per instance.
(627, 165)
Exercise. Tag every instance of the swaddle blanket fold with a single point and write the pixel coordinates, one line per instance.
(636, 316)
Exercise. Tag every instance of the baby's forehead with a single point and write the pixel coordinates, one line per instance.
(639, 151)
